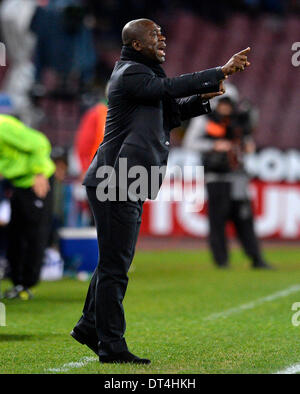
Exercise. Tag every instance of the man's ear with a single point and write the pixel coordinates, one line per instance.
(136, 44)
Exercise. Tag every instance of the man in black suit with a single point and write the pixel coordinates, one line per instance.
(143, 106)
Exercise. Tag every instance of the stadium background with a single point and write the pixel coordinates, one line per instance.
(57, 76)
(52, 91)
(53, 80)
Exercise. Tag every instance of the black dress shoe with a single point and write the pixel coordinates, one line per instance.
(123, 357)
(263, 265)
(86, 336)
(223, 266)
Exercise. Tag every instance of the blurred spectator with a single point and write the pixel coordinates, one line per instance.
(88, 137)
(25, 162)
(5, 213)
(65, 45)
(59, 156)
(15, 19)
(223, 137)
(90, 134)
(111, 15)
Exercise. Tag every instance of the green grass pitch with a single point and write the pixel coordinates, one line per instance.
(170, 296)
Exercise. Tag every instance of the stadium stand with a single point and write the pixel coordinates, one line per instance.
(195, 43)
(201, 44)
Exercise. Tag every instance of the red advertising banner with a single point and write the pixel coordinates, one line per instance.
(276, 207)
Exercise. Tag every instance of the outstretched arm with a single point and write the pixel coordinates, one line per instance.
(197, 105)
(139, 82)
(192, 106)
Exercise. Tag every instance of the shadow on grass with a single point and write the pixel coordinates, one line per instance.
(15, 337)
(27, 337)
(42, 300)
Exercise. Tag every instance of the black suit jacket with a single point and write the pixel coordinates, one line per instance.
(135, 126)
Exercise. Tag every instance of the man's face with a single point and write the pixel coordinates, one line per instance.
(61, 170)
(153, 42)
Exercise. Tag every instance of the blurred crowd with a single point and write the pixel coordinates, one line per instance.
(60, 47)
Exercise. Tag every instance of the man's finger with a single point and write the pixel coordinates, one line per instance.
(242, 58)
(239, 64)
(244, 51)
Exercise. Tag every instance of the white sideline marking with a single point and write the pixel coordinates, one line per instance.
(255, 303)
(81, 363)
(289, 370)
(250, 305)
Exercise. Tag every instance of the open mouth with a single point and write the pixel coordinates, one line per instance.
(161, 51)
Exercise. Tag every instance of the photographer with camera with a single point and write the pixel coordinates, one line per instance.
(223, 137)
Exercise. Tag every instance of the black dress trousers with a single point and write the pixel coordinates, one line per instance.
(28, 233)
(221, 209)
(118, 224)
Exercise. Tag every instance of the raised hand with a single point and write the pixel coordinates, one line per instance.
(237, 62)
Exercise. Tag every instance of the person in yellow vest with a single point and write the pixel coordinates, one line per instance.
(25, 161)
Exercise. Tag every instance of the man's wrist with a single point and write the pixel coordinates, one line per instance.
(222, 72)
